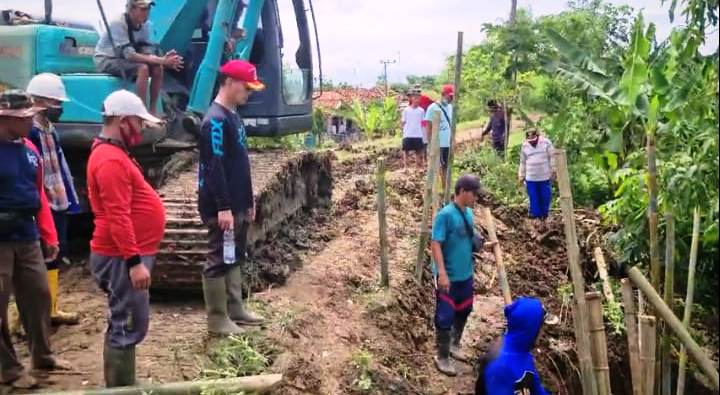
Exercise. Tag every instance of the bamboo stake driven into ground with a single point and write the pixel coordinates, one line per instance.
(428, 197)
(647, 352)
(631, 328)
(694, 244)
(668, 293)
(599, 342)
(589, 382)
(455, 112)
(382, 223)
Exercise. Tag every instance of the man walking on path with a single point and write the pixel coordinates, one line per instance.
(138, 56)
(412, 117)
(497, 126)
(537, 170)
(48, 92)
(129, 225)
(453, 243)
(446, 113)
(511, 369)
(24, 218)
(225, 201)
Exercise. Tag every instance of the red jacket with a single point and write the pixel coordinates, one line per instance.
(44, 219)
(129, 215)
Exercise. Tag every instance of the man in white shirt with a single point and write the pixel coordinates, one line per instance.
(412, 118)
(537, 171)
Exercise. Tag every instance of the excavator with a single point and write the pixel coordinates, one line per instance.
(206, 33)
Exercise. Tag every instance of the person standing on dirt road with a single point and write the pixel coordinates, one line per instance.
(48, 92)
(411, 122)
(446, 113)
(225, 200)
(510, 369)
(497, 126)
(26, 226)
(454, 241)
(537, 171)
(129, 225)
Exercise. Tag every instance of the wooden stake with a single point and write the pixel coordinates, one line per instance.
(652, 212)
(455, 112)
(502, 275)
(427, 199)
(599, 342)
(573, 252)
(703, 361)
(382, 223)
(250, 384)
(631, 327)
(669, 291)
(689, 298)
(647, 352)
(602, 272)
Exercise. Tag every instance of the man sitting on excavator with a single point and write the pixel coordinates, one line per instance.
(127, 51)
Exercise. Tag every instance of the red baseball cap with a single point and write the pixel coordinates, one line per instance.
(243, 71)
(448, 90)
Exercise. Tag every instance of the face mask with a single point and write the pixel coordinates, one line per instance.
(533, 141)
(130, 135)
(54, 113)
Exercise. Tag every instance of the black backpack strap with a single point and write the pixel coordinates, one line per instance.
(447, 118)
(468, 228)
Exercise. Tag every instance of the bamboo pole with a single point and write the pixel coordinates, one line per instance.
(382, 223)
(455, 112)
(255, 384)
(703, 361)
(502, 275)
(602, 272)
(668, 292)
(631, 327)
(599, 342)
(652, 212)
(647, 351)
(427, 199)
(689, 298)
(573, 253)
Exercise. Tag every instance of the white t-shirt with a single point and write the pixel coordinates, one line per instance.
(413, 117)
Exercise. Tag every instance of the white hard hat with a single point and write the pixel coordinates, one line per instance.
(47, 85)
(124, 103)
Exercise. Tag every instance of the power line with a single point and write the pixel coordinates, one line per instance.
(385, 78)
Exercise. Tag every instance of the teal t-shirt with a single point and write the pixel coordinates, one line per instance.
(450, 231)
(444, 127)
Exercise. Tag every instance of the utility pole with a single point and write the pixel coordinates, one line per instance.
(513, 78)
(385, 79)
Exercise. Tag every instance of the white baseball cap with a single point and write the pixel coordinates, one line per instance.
(124, 103)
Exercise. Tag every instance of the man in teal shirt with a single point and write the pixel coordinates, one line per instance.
(446, 113)
(453, 243)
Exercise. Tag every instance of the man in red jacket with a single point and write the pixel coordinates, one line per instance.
(25, 218)
(129, 225)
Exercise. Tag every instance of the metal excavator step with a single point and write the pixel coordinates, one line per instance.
(283, 183)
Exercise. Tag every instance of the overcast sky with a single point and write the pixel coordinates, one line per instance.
(355, 35)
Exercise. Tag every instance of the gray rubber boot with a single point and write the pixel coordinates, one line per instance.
(216, 303)
(119, 366)
(442, 360)
(236, 308)
(457, 333)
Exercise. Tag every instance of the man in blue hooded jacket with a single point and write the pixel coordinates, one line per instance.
(512, 370)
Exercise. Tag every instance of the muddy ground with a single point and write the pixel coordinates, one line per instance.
(332, 329)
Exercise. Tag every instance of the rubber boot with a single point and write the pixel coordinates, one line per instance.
(57, 316)
(119, 366)
(216, 303)
(442, 360)
(457, 333)
(236, 307)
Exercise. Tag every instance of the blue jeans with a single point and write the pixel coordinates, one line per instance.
(540, 194)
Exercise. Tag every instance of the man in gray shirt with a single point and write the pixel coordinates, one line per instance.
(128, 52)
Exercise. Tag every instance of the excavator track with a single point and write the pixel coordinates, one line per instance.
(283, 184)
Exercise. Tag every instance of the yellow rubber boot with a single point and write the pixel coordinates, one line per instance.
(14, 324)
(58, 317)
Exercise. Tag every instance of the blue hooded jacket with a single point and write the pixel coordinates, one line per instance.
(513, 371)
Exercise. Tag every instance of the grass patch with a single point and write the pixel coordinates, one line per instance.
(237, 356)
(362, 361)
(499, 177)
(475, 124)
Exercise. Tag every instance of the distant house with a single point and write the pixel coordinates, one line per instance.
(330, 102)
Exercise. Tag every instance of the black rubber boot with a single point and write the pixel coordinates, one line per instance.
(119, 366)
(457, 333)
(442, 360)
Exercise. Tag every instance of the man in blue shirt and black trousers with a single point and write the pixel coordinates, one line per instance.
(453, 243)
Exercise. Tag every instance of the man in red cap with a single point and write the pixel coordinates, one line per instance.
(225, 201)
(446, 113)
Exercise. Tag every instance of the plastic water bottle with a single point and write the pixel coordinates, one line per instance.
(229, 247)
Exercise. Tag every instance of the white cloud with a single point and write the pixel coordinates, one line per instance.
(356, 34)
